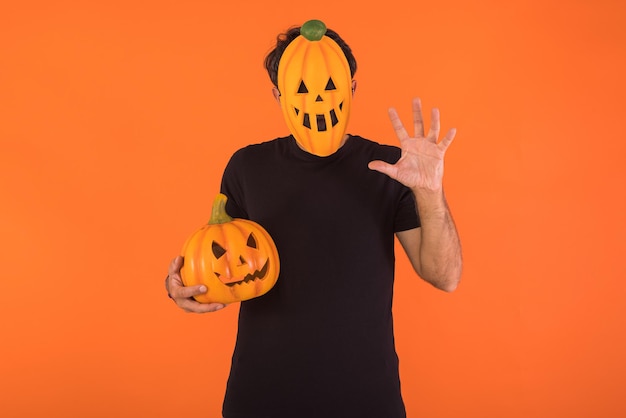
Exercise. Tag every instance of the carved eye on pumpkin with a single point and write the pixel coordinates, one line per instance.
(217, 249)
(302, 88)
(251, 241)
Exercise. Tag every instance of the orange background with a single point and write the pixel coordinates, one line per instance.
(116, 121)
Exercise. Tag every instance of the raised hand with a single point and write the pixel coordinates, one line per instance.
(420, 166)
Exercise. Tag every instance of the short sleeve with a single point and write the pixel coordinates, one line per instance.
(406, 215)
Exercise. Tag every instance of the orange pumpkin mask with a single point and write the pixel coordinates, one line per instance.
(315, 86)
(236, 259)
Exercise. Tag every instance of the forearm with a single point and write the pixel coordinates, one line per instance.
(440, 248)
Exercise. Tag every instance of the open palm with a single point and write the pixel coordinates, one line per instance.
(420, 166)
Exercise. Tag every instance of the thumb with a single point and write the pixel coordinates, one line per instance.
(383, 167)
(175, 265)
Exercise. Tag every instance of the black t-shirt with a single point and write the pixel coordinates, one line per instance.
(320, 343)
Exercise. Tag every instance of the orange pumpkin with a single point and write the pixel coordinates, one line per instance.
(315, 86)
(236, 259)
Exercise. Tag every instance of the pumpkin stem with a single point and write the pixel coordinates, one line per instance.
(218, 213)
(313, 30)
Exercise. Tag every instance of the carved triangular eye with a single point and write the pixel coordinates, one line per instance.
(251, 241)
(302, 88)
(330, 85)
(218, 250)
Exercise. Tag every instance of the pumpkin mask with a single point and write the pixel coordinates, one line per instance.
(315, 86)
(236, 259)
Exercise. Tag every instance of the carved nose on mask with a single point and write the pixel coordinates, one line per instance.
(319, 98)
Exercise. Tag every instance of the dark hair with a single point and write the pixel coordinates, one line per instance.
(284, 39)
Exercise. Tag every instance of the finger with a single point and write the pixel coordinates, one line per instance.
(178, 291)
(397, 125)
(167, 286)
(418, 121)
(175, 266)
(447, 140)
(383, 167)
(433, 133)
(191, 306)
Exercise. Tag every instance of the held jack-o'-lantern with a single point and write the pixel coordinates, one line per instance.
(315, 86)
(236, 259)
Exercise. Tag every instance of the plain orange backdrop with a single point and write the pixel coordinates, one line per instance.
(116, 121)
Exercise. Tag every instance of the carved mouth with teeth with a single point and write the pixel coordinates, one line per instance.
(256, 275)
(321, 120)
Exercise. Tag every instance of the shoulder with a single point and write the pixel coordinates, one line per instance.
(261, 149)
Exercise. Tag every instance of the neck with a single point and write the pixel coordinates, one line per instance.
(341, 144)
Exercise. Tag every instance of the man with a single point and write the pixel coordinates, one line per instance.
(320, 343)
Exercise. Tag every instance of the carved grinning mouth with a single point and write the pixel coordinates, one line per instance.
(320, 120)
(257, 275)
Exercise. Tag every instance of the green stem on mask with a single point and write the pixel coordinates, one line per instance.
(313, 30)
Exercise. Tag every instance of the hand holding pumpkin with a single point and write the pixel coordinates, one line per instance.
(184, 295)
(420, 166)
(234, 259)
